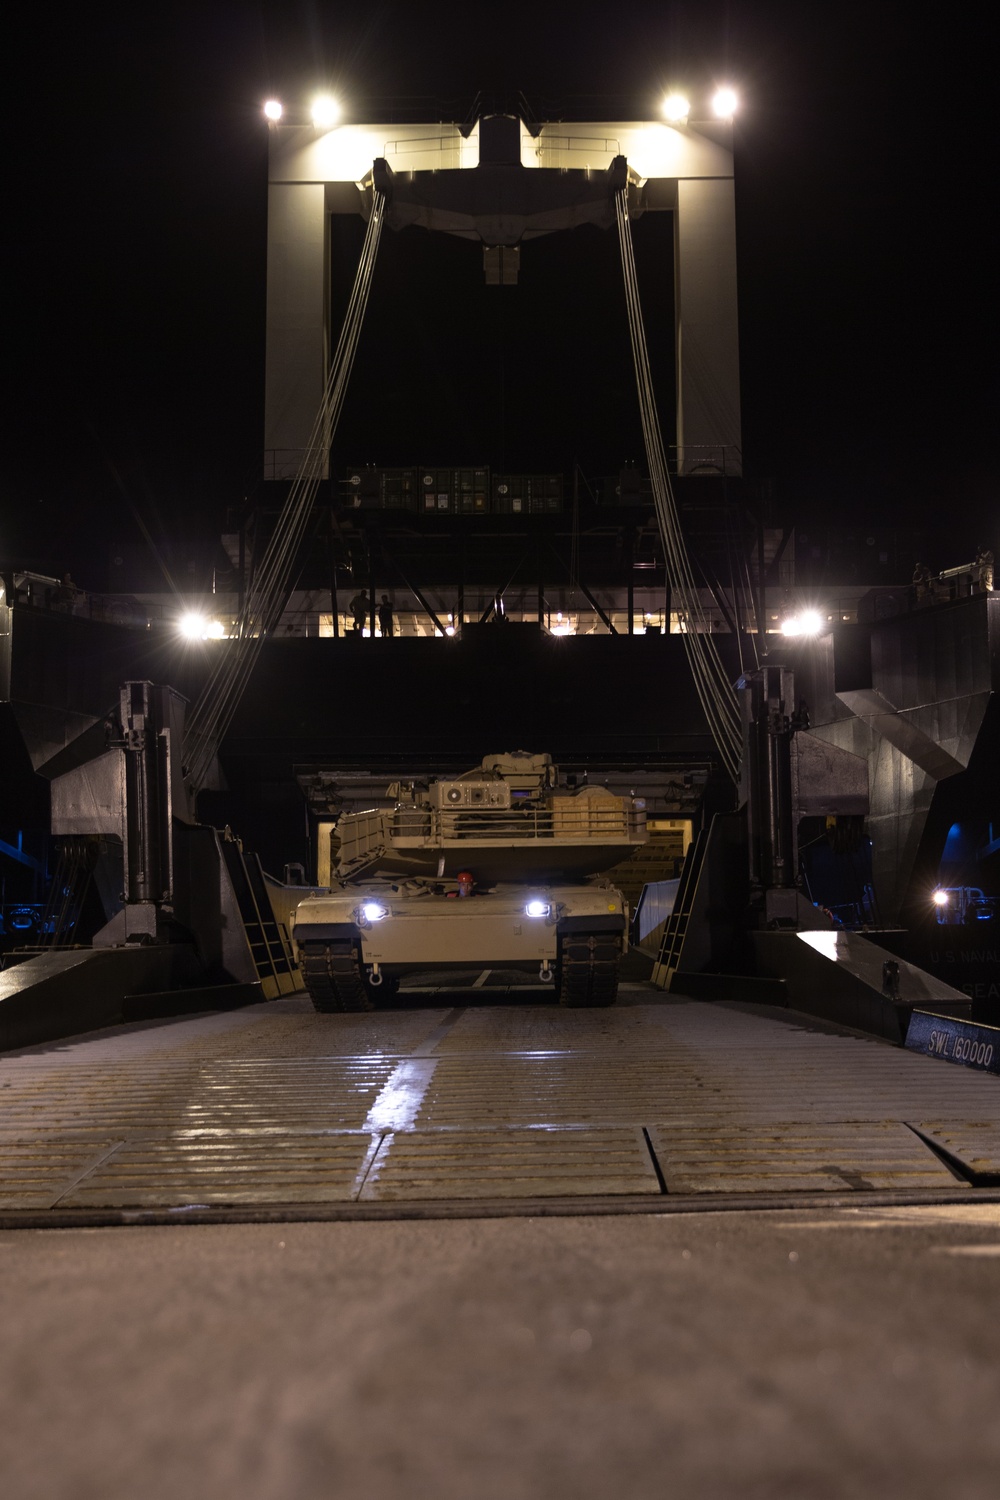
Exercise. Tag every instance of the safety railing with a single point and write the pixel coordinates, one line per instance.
(569, 818)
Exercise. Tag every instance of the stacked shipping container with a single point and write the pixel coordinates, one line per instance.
(436, 491)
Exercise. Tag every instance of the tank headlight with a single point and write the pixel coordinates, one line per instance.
(373, 911)
(537, 908)
(940, 898)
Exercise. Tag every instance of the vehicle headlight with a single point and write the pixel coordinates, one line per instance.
(536, 907)
(372, 911)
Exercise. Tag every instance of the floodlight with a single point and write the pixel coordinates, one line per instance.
(725, 103)
(806, 622)
(940, 898)
(273, 109)
(325, 111)
(373, 911)
(536, 908)
(192, 626)
(676, 108)
(215, 630)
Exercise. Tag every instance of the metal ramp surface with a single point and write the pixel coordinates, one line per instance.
(479, 1108)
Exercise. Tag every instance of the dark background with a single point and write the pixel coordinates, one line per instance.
(134, 258)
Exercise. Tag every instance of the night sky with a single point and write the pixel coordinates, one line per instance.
(134, 257)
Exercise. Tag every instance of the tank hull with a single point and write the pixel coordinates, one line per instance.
(538, 929)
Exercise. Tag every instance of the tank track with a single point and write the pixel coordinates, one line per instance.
(332, 973)
(588, 969)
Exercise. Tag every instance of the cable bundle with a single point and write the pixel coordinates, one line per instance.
(715, 691)
(212, 714)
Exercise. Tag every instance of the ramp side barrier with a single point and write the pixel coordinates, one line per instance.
(270, 945)
(675, 931)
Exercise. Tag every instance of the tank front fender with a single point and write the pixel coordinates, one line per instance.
(593, 924)
(327, 932)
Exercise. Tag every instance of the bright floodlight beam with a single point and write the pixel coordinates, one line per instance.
(273, 110)
(192, 626)
(806, 622)
(940, 898)
(725, 103)
(676, 108)
(325, 111)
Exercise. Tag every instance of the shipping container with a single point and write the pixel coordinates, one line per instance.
(399, 489)
(545, 492)
(517, 494)
(362, 488)
(454, 491)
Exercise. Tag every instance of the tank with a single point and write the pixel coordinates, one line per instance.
(498, 868)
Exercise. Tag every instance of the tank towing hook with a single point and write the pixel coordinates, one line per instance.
(545, 973)
(375, 977)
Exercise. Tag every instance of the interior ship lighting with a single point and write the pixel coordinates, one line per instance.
(676, 108)
(940, 898)
(537, 908)
(325, 111)
(273, 110)
(725, 103)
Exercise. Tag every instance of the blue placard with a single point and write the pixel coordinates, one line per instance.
(955, 1041)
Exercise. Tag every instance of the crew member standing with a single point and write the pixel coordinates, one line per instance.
(359, 610)
(385, 615)
(983, 566)
(922, 583)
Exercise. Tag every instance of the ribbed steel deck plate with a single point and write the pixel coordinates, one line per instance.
(796, 1156)
(975, 1144)
(511, 1164)
(278, 1105)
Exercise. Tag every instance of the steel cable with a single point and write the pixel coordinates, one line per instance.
(715, 691)
(213, 712)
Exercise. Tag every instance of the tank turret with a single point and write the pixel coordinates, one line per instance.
(508, 819)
